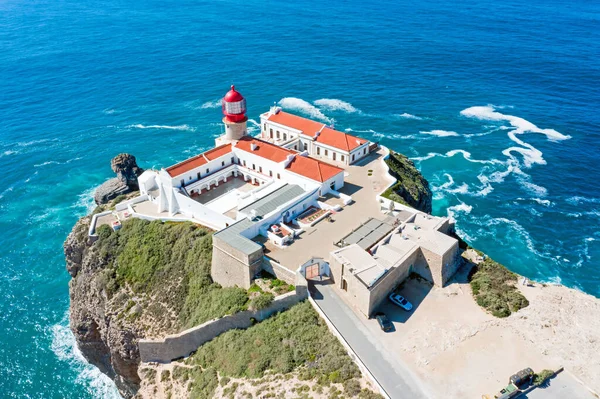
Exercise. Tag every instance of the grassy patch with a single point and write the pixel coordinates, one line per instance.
(494, 289)
(411, 188)
(262, 301)
(171, 262)
(287, 341)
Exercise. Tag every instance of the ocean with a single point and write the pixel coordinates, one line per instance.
(496, 102)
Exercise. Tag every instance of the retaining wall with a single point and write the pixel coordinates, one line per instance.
(183, 344)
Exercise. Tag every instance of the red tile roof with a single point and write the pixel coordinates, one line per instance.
(313, 168)
(340, 140)
(307, 126)
(198, 160)
(327, 136)
(304, 166)
(263, 149)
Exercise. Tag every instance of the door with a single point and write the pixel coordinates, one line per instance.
(312, 271)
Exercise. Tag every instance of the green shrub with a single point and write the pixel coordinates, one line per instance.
(351, 388)
(539, 379)
(254, 288)
(281, 343)
(165, 375)
(494, 289)
(104, 231)
(262, 301)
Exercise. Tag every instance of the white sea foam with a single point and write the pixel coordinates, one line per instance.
(426, 157)
(409, 116)
(576, 200)
(254, 122)
(451, 153)
(333, 104)
(521, 125)
(168, 127)
(65, 348)
(85, 202)
(6, 191)
(33, 142)
(299, 104)
(440, 133)
(109, 111)
(8, 152)
(212, 104)
(462, 207)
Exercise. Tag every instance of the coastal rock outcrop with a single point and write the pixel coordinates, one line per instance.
(411, 188)
(127, 170)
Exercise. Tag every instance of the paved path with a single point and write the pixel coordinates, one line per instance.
(562, 386)
(394, 377)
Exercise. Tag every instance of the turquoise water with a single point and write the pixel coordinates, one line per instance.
(80, 83)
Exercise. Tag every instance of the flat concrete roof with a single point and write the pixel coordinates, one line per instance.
(432, 240)
(362, 265)
(367, 234)
(272, 201)
(232, 236)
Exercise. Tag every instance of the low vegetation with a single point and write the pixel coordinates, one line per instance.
(411, 188)
(494, 288)
(169, 262)
(542, 376)
(294, 340)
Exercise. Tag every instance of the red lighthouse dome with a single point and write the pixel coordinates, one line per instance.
(234, 106)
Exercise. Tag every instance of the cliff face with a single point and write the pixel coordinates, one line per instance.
(106, 341)
(411, 188)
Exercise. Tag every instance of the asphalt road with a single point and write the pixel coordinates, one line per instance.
(562, 386)
(395, 378)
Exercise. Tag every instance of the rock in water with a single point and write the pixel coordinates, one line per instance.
(411, 188)
(125, 166)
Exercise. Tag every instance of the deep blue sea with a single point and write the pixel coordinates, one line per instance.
(498, 103)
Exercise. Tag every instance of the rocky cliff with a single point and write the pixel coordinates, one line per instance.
(411, 188)
(105, 340)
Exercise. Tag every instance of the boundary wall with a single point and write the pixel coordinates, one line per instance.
(186, 342)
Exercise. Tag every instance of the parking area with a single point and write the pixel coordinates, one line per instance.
(447, 337)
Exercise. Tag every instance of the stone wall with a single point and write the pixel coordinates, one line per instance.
(183, 344)
(277, 270)
(231, 267)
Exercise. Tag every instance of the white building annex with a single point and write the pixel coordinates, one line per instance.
(264, 195)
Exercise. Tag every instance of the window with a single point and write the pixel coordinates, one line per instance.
(232, 160)
(284, 136)
(271, 173)
(295, 147)
(332, 185)
(271, 134)
(364, 151)
(253, 167)
(326, 152)
(182, 181)
(260, 169)
(333, 156)
(278, 176)
(342, 157)
(278, 136)
(207, 171)
(245, 161)
(353, 157)
(199, 175)
(305, 146)
(222, 163)
(318, 150)
(265, 127)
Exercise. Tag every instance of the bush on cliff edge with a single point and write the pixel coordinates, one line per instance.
(494, 289)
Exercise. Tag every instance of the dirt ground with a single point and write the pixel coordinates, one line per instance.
(460, 351)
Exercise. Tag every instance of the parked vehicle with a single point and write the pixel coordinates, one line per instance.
(385, 323)
(510, 391)
(401, 301)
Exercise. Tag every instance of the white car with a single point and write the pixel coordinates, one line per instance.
(401, 301)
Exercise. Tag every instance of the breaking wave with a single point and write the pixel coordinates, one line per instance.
(65, 348)
(521, 125)
(409, 116)
(462, 207)
(211, 104)
(466, 155)
(440, 133)
(333, 104)
(177, 127)
(305, 107)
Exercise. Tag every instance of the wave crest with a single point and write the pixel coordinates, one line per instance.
(168, 127)
(305, 107)
(440, 133)
(333, 104)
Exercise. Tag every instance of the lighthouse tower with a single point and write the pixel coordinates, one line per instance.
(235, 119)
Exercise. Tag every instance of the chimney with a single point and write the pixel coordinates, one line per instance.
(253, 146)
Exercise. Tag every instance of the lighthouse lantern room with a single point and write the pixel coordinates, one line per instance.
(235, 119)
